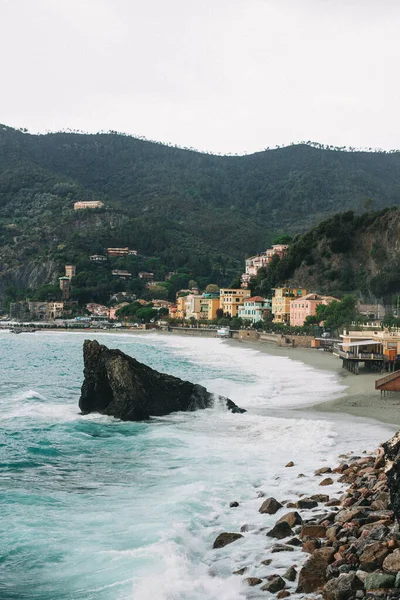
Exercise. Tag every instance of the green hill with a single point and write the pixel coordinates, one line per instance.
(189, 209)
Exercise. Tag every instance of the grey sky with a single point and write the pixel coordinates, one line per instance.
(219, 75)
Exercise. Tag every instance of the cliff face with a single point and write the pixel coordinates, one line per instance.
(116, 384)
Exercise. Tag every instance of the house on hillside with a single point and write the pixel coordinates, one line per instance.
(88, 204)
(306, 306)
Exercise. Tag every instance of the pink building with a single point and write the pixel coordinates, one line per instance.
(97, 309)
(254, 263)
(113, 310)
(301, 308)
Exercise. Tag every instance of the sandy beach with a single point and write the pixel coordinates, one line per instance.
(359, 398)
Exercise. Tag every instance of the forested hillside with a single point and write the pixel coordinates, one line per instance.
(345, 253)
(188, 209)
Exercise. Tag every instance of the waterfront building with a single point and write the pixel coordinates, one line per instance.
(232, 299)
(180, 307)
(88, 204)
(37, 310)
(192, 306)
(55, 310)
(281, 302)
(306, 306)
(254, 309)
(209, 304)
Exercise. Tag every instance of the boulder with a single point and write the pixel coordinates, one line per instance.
(226, 538)
(274, 584)
(343, 587)
(280, 531)
(292, 518)
(281, 548)
(270, 506)
(327, 481)
(391, 564)
(306, 503)
(373, 556)
(252, 581)
(375, 581)
(118, 385)
(313, 530)
(290, 574)
(313, 575)
(392, 457)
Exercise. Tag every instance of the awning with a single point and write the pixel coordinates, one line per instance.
(363, 343)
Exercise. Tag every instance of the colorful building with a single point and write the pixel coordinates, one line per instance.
(254, 309)
(192, 306)
(281, 302)
(306, 306)
(259, 261)
(180, 307)
(88, 204)
(232, 299)
(55, 310)
(209, 304)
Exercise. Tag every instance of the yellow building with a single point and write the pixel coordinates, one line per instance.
(281, 302)
(232, 299)
(55, 310)
(180, 312)
(209, 304)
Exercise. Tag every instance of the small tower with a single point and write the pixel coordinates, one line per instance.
(65, 287)
(70, 271)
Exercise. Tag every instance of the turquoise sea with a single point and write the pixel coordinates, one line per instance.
(97, 509)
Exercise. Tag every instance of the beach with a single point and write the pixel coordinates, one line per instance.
(359, 398)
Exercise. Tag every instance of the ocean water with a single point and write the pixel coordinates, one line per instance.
(97, 509)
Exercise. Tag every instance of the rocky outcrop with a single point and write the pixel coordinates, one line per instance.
(118, 385)
(392, 455)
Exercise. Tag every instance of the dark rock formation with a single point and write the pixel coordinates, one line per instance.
(116, 384)
(392, 456)
(226, 538)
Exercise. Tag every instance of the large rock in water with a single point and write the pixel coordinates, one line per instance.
(116, 384)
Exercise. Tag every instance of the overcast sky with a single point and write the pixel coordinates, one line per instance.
(219, 75)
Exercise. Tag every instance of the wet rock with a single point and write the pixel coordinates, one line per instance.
(266, 562)
(226, 538)
(313, 530)
(283, 594)
(322, 471)
(292, 518)
(333, 502)
(379, 580)
(281, 548)
(313, 575)
(295, 542)
(290, 574)
(233, 504)
(392, 457)
(373, 556)
(241, 571)
(252, 581)
(290, 464)
(306, 503)
(327, 481)
(280, 531)
(274, 584)
(116, 384)
(391, 564)
(310, 546)
(343, 587)
(320, 497)
(270, 506)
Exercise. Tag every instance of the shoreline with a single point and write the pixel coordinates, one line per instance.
(359, 398)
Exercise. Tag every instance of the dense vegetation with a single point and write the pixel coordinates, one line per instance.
(189, 210)
(345, 253)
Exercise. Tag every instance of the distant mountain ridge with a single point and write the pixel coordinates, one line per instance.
(186, 207)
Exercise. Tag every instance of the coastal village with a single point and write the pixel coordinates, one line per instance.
(284, 318)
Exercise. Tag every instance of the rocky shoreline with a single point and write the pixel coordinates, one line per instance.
(353, 540)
